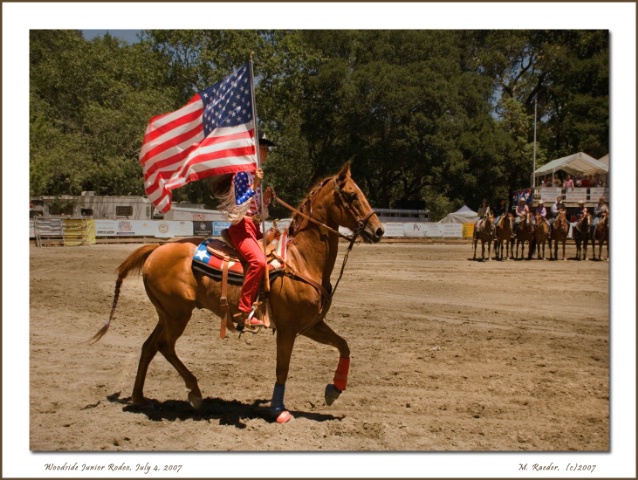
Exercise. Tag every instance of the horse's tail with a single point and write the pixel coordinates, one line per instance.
(133, 263)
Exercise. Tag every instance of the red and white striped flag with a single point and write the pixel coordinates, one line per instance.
(213, 134)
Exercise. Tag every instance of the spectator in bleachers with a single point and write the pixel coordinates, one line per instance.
(568, 183)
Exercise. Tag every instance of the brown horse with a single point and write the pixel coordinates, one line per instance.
(504, 229)
(541, 235)
(600, 236)
(560, 231)
(581, 234)
(524, 233)
(486, 234)
(299, 300)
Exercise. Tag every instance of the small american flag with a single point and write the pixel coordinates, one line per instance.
(213, 134)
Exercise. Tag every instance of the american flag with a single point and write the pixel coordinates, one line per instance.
(212, 134)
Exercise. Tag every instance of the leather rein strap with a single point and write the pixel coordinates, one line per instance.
(294, 210)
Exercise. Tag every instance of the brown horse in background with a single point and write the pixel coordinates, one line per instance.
(486, 234)
(560, 231)
(541, 236)
(299, 300)
(524, 233)
(600, 236)
(504, 229)
(581, 234)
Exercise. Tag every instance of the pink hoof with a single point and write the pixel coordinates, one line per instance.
(284, 417)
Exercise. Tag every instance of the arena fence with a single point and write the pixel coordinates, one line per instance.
(73, 232)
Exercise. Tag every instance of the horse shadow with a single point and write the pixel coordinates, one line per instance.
(226, 412)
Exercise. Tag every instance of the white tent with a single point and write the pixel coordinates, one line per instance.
(576, 164)
(604, 160)
(462, 215)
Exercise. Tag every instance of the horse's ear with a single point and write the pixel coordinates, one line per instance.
(345, 171)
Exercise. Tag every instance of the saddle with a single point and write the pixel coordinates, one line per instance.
(220, 260)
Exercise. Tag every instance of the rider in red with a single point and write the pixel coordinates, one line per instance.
(242, 205)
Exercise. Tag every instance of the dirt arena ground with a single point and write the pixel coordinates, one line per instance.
(448, 354)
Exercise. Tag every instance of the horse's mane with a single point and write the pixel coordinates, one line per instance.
(304, 206)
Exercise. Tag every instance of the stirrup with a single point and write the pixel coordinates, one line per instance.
(248, 324)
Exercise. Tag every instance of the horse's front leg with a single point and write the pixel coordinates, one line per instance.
(285, 343)
(323, 334)
(585, 242)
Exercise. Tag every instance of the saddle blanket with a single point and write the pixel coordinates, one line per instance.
(211, 265)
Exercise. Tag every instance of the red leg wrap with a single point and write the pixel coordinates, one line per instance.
(341, 375)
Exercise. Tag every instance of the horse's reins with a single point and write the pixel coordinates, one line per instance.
(362, 223)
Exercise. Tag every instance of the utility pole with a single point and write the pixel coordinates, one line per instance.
(534, 159)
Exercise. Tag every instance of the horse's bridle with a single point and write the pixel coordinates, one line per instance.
(361, 223)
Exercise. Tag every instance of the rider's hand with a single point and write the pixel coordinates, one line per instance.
(268, 195)
(259, 175)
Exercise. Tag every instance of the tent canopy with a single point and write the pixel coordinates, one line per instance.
(462, 215)
(577, 164)
(604, 160)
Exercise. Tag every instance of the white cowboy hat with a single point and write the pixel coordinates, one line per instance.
(540, 202)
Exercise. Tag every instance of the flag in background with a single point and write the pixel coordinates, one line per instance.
(526, 195)
(212, 134)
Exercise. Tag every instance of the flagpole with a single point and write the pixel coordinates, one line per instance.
(258, 158)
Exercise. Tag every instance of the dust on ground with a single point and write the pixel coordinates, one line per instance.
(448, 354)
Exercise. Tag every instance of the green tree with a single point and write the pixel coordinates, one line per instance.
(90, 102)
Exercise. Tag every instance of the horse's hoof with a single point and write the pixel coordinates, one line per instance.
(195, 400)
(331, 394)
(284, 417)
(140, 401)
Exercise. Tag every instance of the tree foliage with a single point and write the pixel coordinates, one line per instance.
(439, 118)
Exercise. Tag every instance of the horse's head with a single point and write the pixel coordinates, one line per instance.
(528, 219)
(561, 221)
(352, 210)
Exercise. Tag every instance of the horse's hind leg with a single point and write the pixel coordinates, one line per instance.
(149, 349)
(323, 334)
(163, 340)
(167, 348)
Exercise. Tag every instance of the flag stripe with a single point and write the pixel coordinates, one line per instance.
(158, 139)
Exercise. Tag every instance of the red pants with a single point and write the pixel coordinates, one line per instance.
(244, 235)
